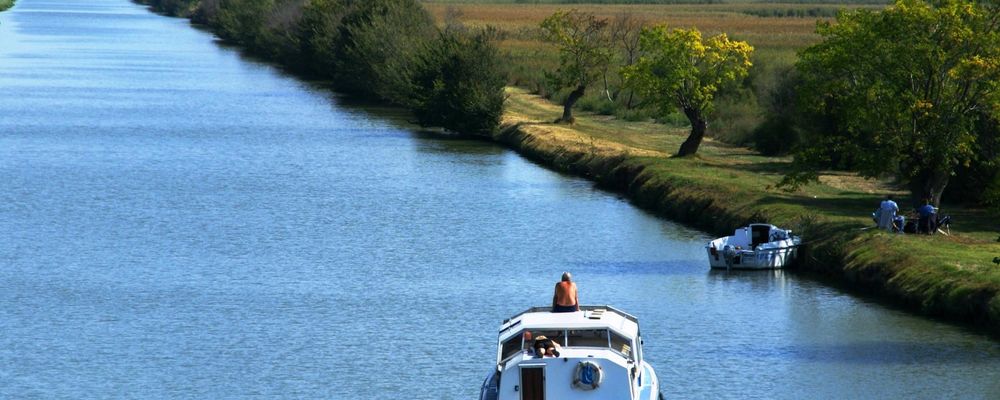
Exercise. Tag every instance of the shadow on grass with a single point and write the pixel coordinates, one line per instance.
(774, 167)
(850, 205)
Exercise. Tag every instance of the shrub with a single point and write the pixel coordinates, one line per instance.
(319, 33)
(380, 47)
(775, 83)
(461, 83)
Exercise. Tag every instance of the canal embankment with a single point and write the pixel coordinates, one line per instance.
(950, 277)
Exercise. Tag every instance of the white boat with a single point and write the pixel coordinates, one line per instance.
(757, 246)
(600, 358)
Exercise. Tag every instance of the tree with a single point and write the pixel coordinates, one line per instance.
(625, 34)
(584, 50)
(319, 30)
(904, 88)
(461, 84)
(681, 71)
(380, 46)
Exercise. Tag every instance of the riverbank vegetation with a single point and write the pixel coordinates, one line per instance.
(5, 4)
(385, 50)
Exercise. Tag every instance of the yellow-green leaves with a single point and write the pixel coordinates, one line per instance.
(680, 70)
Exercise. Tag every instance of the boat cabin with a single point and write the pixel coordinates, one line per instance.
(749, 237)
(600, 357)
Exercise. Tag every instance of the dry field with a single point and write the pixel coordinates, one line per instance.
(785, 33)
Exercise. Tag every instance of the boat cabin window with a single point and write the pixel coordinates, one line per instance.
(622, 345)
(511, 346)
(588, 338)
(759, 235)
(602, 338)
(556, 336)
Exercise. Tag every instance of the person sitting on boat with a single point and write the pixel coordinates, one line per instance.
(565, 298)
(928, 218)
(544, 346)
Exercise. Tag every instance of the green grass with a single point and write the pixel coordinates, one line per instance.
(727, 186)
(5, 4)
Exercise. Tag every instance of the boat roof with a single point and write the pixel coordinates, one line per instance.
(589, 317)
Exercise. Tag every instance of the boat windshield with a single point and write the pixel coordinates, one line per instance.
(602, 338)
(588, 338)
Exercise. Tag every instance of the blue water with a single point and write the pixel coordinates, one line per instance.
(177, 221)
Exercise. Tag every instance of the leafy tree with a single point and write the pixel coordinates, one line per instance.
(584, 51)
(319, 30)
(680, 70)
(381, 42)
(461, 87)
(243, 21)
(626, 31)
(902, 91)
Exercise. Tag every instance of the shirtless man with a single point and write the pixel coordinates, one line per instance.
(565, 298)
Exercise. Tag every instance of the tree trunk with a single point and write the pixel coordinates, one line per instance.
(699, 125)
(575, 95)
(929, 185)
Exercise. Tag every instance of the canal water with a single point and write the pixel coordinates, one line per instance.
(177, 221)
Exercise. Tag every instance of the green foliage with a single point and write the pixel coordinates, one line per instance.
(380, 48)
(461, 85)
(779, 133)
(979, 181)
(242, 21)
(735, 117)
(583, 43)
(900, 91)
(319, 30)
(178, 8)
(680, 71)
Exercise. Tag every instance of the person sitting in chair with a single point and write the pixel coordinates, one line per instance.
(886, 215)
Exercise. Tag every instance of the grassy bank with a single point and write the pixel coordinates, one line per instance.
(951, 277)
(5, 4)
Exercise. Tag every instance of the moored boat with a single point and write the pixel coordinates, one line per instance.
(756, 246)
(598, 356)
